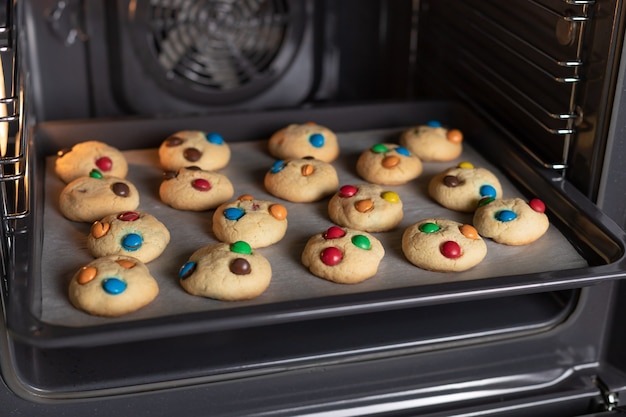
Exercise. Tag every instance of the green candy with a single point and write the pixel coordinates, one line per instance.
(362, 242)
(429, 228)
(379, 148)
(241, 247)
(96, 174)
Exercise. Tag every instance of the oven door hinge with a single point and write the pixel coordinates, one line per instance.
(609, 397)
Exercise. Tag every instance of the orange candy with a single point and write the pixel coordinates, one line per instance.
(307, 170)
(455, 136)
(390, 161)
(125, 263)
(86, 274)
(469, 231)
(245, 197)
(363, 206)
(99, 229)
(278, 211)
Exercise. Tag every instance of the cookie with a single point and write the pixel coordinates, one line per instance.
(301, 180)
(461, 188)
(195, 189)
(90, 198)
(112, 286)
(227, 272)
(259, 222)
(367, 207)
(299, 140)
(207, 151)
(388, 164)
(432, 142)
(343, 255)
(443, 245)
(129, 233)
(80, 159)
(511, 221)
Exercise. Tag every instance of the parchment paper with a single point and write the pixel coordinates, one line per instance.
(65, 252)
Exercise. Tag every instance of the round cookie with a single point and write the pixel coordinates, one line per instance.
(260, 223)
(208, 151)
(90, 198)
(367, 207)
(388, 164)
(432, 142)
(511, 221)
(195, 189)
(112, 286)
(461, 188)
(129, 233)
(80, 159)
(443, 245)
(343, 255)
(300, 140)
(301, 180)
(228, 272)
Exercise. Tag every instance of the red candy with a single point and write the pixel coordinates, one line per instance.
(347, 191)
(450, 249)
(201, 184)
(128, 216)
(334, 232)
(537, 205)
(104, 163)
(331, 256)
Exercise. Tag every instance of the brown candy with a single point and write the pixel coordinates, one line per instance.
(169, 175)
(173, 141)
(120, 189)
(451, 181)
(192, 154)
(240, 266)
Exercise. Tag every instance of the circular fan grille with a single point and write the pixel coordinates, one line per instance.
(219, 46)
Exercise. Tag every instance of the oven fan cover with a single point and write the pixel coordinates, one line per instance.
(198, 54)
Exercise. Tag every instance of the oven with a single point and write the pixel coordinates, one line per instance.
(535, 85)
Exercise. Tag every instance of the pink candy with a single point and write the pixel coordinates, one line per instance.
(348, 191)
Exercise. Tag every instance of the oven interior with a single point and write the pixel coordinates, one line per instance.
(534, 81)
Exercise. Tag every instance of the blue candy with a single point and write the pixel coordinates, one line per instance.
(433, 123)
(186, 270)
(506, 215)
(488, 191)
(403, 151)
(215, 138)
(131, 242)
(234, 213)
(316, 140)
(113, 286)
(278, 166)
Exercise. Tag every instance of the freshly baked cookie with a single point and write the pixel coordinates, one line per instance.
(432, 142)
(367, 207)
(112, 286)
(258, 222)
(511, 221)
(301, 180)
(208, 151)
(130, 233)
(343, 255)
(460, 188)
(443, 245)
(192, 188)
(388, 164)
(300, 140)
(225, 271)
(90, 198)
(80, 159)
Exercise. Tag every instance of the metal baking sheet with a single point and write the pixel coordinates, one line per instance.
(64, 242)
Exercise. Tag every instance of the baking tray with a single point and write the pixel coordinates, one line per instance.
(582, 246)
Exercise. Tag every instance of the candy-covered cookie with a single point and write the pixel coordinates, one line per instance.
(301, 180)
(343, 255)
(208, 151)
(192, 188)
(511, 221)
(367, 207)
(80, 159)
(300, 140)
(443, 245)
(388, 164)
(258, 222)
(432, 142)
(225, 271)
(129, 233)
(112, 286)
(90, 198)
(460, 188)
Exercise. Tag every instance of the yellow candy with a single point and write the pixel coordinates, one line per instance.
(467, 165)
(390, 196)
